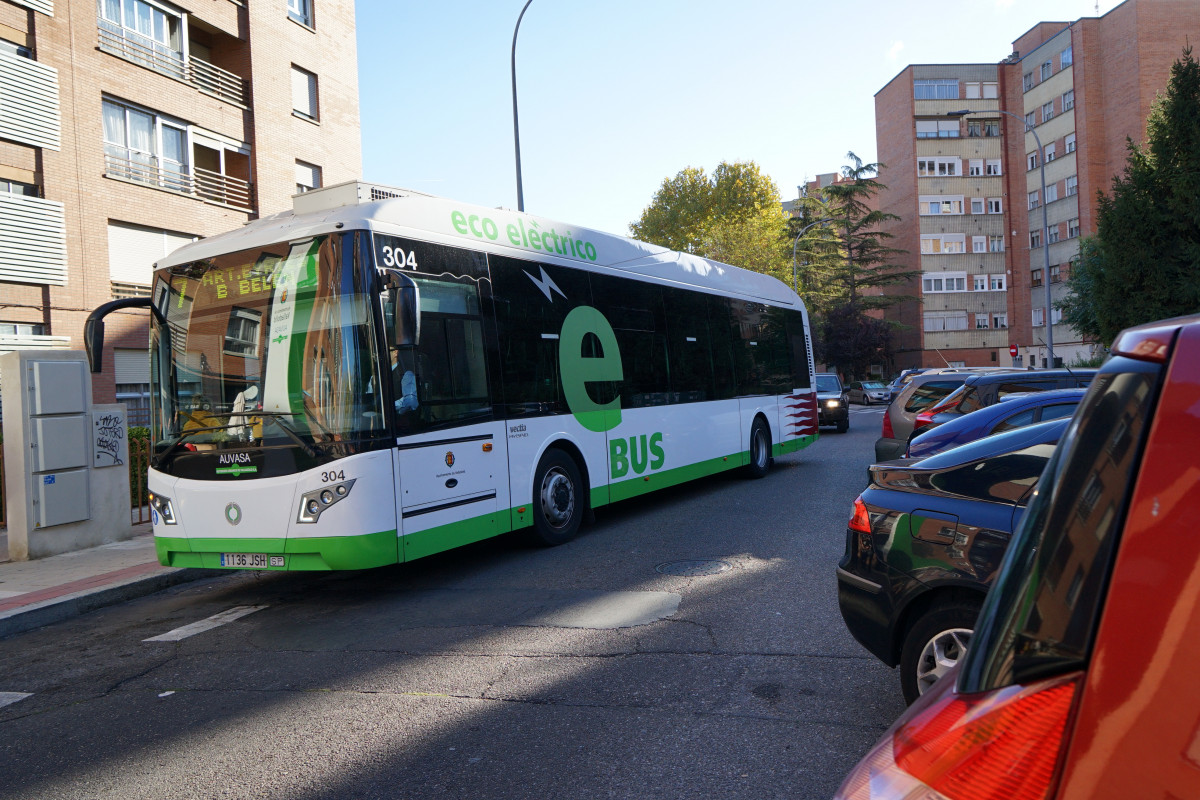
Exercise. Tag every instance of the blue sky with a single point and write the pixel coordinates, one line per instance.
(616, 95)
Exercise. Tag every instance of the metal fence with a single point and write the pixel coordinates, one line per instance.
(139, 463)
(3, 515)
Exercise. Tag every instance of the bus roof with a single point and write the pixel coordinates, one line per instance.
(416, 215)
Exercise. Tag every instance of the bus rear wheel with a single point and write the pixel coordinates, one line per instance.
(558, 500)
(760, 450)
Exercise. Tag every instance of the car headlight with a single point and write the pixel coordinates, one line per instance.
(162, 504)
(832, 403)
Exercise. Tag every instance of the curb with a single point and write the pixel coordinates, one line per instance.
(37, 615)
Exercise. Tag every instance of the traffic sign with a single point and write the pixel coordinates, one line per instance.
(1012, 350)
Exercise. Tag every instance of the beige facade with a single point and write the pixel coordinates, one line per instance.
(128, 127)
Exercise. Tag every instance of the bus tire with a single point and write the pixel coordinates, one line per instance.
(760, 449)
(558, 499)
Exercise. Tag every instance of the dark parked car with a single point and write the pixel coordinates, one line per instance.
(1081, 677)
(926, 538)
(981, 391)
(1013, 411)
(833, 405)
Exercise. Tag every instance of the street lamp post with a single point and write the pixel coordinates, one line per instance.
(1045, 223)
(796, 242)
(516, 130)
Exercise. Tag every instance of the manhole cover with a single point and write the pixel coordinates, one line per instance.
(694, 568)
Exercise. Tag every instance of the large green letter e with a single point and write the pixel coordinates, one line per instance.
(578, 371)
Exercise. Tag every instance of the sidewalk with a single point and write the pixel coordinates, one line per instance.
(46, 590)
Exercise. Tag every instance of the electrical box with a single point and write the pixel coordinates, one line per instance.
(58, 443)
(60, 497)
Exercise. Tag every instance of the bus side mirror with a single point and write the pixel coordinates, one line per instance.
(402, 311)
(93, 329)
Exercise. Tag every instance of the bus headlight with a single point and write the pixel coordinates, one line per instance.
(162, 505)
(314, 502)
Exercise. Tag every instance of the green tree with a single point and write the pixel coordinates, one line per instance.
(851, 342)
(1146, 261)
(734, 215)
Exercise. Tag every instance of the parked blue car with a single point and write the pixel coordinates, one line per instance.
(1013, 411)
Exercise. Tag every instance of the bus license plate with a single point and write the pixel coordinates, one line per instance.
(250, 560)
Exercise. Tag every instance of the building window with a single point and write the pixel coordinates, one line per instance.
(1047, 70)
(999, 320)
(145, 33)
(996, 244)
(1055, 317)
(1032, 161)
(937, 129)
(1055, 274)
(143, 146)
(1035, 239)
(1068, 100)
(1050, 153)
(940, 89)
(974, 128)
(944, 282)
(995, 205)
(1065, 58)
(939, 167)
(980, 283)
(22, 329)
(945, 320)
(16, 187)
(1073, 229)
(981, 321)
(14, 49)
(1033, 201)
(301, 11)
(304, 93)
(308, 177)
(943, 243)
(1035, 278)
(991, 127)
(1072, 184)
(1052, 234)
(1039, 317)
(1048, 111)
(1069, 144)
(991, 166)
(1027, 81)
(1031, 119)
(976, 167)
(932, 205)
(991, 90)
(973, 91)
(978, 244)
(241, 335)
(996, 283)
(977, 205)
(1052, 193)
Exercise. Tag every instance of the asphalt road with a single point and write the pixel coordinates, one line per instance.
(496, 671)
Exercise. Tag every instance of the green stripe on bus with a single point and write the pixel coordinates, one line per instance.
(319, 553)
(455, 534)
(792, 445)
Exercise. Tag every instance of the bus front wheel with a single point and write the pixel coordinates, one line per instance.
(558, 499)
(760, 449)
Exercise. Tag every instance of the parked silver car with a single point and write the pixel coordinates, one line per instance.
(867, 392)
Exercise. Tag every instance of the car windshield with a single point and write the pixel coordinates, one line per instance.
(828, 383)
(929, 393)
(872, 385)
(273, 345)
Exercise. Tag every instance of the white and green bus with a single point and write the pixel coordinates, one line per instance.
(379, 375)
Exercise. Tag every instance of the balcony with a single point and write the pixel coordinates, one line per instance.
(211, 187)
(146, 52)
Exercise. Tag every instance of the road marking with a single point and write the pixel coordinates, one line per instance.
(215, 621)
(8, 698)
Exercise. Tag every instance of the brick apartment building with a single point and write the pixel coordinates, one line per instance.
(129, 127)
(968, 187)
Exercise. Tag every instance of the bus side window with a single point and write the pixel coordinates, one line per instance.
(635, 311)
(689, 352)
(721, 326)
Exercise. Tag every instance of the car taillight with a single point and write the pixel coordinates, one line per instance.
(860, 521)
(1001, 745)
(922, 420)
(888, 433)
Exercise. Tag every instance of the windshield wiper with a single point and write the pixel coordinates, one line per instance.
(287, 429)
(192, 432)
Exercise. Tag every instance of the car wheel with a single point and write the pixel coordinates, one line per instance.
(558, 501)
(843, 425)
(760, 450)
(866, 400)
(935, 642)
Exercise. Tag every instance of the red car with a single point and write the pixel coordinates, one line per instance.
(1083, 677)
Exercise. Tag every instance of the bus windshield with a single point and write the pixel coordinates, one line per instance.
(268, 346)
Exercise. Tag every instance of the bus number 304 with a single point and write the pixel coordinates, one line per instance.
(396, 257)
(333, 475)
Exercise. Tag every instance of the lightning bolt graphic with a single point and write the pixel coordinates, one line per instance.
(545, 284)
